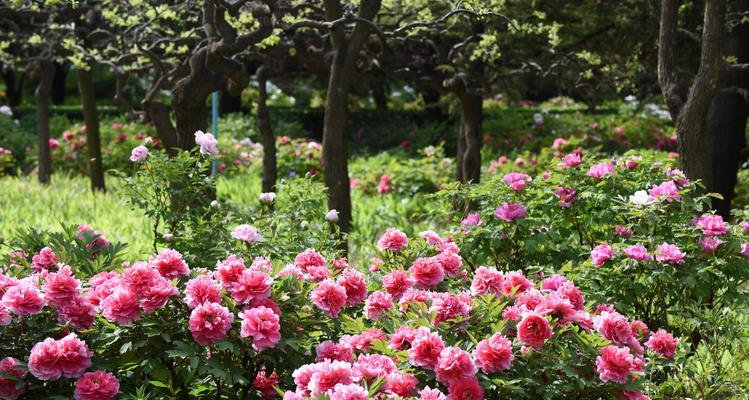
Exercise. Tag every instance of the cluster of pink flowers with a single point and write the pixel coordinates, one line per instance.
(510, 212)
(393, 239)
(516, 180)
(599, 171)
(667, 191)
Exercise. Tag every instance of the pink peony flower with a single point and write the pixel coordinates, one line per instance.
(623, 231)
(251, 285)
(638, 252)
(369, 367)
(202, 290)
(431, 237)
(401, 384)
(515, 283)
(246, 233)
(98, 241)
(348, 392)
(451, 263)
(309, 258)
(51, 359)
(121, 307)
(364, 340)
(516, 180)
(102, 285)
(97, 385)
(553, 282)
(710, 243)
(157, 295)
(329, 297)
(614, 364)
(228, 271)
(665, 191)
(639, 329)
(23, 299)
(431, 394)
(487, 280)
(11, 388)
(355, 285)
(170, 264)
(78, 312)
(601, 253)
(600, 170)
(573, 294)
(208, 144)
(263, 325)
(327, 374)
(139, 154)
(494, 354)
(662, 343)
(397, 282)
(209, 323)
(425, 349)
(5, 318)
(711, 225)
(139, 277)
(427, 272)
(61, 287)
(471, 220)
(393, 239)
(534, 330)
(328, 350)
(510, 212)
(638, 395)
(378, 303)
(744, 250)
(613, 326)
(465, 389)
(447, 307)
(265, 383)
(402, 338)
(384, 185)
(44, 260)
(566, 196)
(669, 253)
(571, 160)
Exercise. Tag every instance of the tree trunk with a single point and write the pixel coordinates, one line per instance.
(335, 140)
(695, 143)
(158, 113)
(471, 119)
(46, 76)
(727, 118)
(59, 87)
(432, 111)
(13, 88)
(229, 104)
(268, 140)
(379, 95)
(93, 138)
(189, 100)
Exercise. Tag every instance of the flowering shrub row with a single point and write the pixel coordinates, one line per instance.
(421, 325)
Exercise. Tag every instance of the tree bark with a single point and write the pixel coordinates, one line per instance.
(59, 87)
(727, 118)
(229, 103)
(13, 88)
(335, 141)
(696, 144)
(379, 95)
(46, 72)
(470, 134)
(93, 137)
(158, 113)
(268, 139)
(432, 111)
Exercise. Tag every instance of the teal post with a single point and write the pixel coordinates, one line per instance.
(214, 127)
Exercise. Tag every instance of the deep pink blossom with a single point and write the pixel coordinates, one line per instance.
(494, 354)
(614, 364)
(308, 258)
(121, 306)
(425, 349)
(393, 239)
(427, 272)
(378, 303)
(329, 350)
(11, 388)
(355, 285)
(329, 297)
(669, 253)
(534, 330)
(263, 325)
(44, 260)
(516, 180)
(487, 280)
(251, 285)
(662, 343)
(23, 299)
(510, 212)
(600, 170)
(209, 323)
(601, 253)
(202, 290)
(170, 264)
(397, 282)
(638, 252)
(97, 385)
(465, 389)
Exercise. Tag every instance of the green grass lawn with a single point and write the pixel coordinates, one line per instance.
(24, 203)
